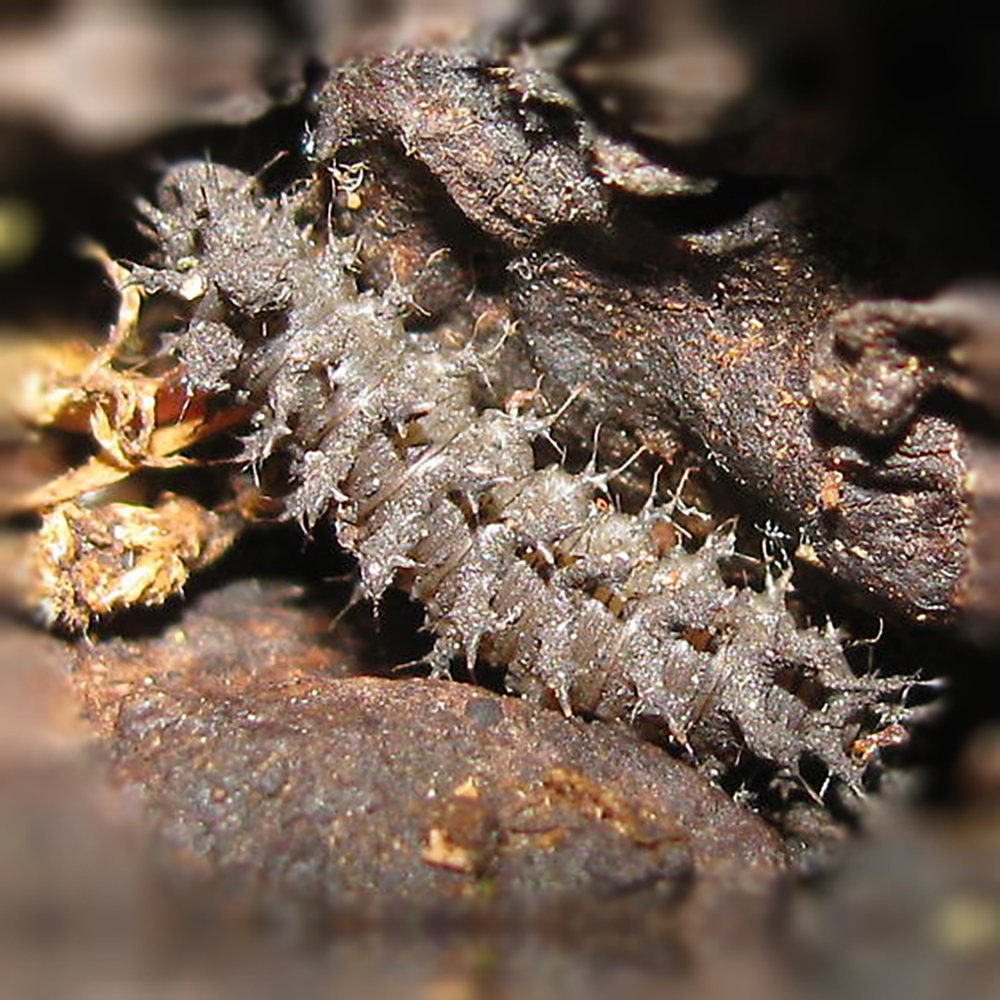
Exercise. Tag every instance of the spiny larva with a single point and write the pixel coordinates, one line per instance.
(433, 490)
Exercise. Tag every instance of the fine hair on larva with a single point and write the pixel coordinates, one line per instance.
(517, 563)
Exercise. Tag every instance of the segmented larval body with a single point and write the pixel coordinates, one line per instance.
(530, 568)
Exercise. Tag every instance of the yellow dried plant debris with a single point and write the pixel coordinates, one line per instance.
(88, 563)
(90, 557)
(99, 472)
(135, 420)
(74, 385)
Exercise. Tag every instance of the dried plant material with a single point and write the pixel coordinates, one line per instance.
(91, 561)
(60, 382)
(88, 563)
(99, 472)
(42, 372)
(124, 413)
(442, 852)
(464, 833)
(595, 802)
(136, 420)
(74, 386)
(569, 800)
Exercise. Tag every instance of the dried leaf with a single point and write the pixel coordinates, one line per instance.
(89, 563)
(137, 421)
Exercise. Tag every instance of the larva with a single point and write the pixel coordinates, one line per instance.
(525, 566)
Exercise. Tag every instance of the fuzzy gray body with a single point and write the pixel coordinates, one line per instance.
(431, 491)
